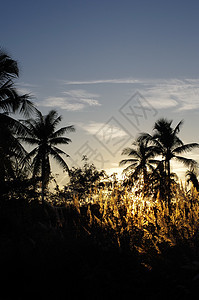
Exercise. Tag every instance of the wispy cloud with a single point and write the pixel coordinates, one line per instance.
(174, 93)
(178, 94)
(72, 100)
(181, 95)
(62, 103)
(101, 128)
(101, 81)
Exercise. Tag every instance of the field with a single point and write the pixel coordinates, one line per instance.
(113, 244)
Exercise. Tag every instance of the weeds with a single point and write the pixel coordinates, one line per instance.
(114, 243)
(132, 222)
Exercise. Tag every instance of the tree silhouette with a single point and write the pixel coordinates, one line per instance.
(142, 159)
(169, 146)
(84, 180)
(10, 102)
(192, 177)
(41, 132)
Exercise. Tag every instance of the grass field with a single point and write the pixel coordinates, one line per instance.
(112, 244)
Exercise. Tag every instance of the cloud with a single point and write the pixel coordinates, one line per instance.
(174, 93)
(101, 81)
(178, 94)
(100, 129)
(62, 103)
(72, 100)
(181, 95)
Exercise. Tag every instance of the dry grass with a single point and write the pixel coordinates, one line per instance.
(116, 244)
(128, 221)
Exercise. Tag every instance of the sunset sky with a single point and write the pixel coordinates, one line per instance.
(111, 68)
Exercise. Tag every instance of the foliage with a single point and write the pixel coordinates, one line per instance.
(83, 181)
(192, 177)
(118, 236)
(142, 161)
(133, 222)
(164, 142)
(41, 132)
(11, 151)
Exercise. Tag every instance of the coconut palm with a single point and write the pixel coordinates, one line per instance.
(142, 159)
(11, 151)
(41, 132)
(10, 102)
(170, 146)
(192, 177)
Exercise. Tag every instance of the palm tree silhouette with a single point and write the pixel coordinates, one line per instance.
(41, 132)
(169, 145)
(142, 159)
(10, 102)
(192, 177)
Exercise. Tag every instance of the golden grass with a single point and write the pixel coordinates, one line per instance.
(127, 220)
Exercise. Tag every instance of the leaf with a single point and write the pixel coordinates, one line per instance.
(185, 148)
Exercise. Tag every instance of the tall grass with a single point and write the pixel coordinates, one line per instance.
(128, 221)
(116, 242)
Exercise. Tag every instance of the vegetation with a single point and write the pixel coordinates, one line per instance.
(41, 132)
(143, 161)
(97, 236)
(11, 151)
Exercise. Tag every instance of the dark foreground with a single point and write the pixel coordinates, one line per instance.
(41, 259)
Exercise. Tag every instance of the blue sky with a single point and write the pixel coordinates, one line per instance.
(88, 60)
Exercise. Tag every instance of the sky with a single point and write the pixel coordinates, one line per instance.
(110, 68)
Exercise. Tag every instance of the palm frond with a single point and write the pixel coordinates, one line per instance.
(162, 125)
(130, 168)
(177, 128)
(31, 127)
(59, 140)
(26, 106)
(8, 66)
(52, 119)
(60, 151)
(125, 161)
(176, 142)
(62, 131)
(130, 152)
(15, 126)
(59, 159)
(144, 136)
(11, 101)
(186, 161)
(29, 140)
(185, 148)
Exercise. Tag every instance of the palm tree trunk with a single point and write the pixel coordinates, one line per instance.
(169, 185)
(45, 173)
(43, 180)
(145, 180)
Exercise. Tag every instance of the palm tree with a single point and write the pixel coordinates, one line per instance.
(10, 102)
(192, 177)
(41, 132)
(142, 159)
(11, 152)
(157, 182)
(169, 145)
